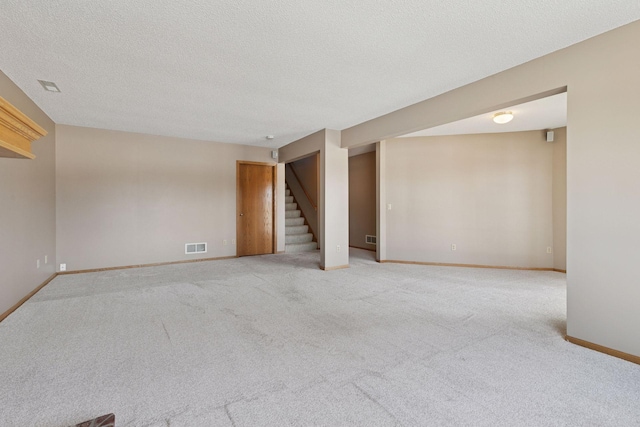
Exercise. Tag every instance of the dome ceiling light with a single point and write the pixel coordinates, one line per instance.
(503, 117)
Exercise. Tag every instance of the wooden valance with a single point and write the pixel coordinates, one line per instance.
(17, 132)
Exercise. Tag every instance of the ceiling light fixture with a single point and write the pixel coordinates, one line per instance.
(49, 86)
(503, 117)
(270, 137)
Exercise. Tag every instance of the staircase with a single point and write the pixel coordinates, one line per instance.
(297, 236)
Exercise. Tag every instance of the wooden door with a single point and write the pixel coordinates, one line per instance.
(255, 222)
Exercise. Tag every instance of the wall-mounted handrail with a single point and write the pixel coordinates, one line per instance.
(306, 193)
(304, 204)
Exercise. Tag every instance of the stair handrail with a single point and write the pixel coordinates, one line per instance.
(305, 205)
(293, 169)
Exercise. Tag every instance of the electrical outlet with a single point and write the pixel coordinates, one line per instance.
(338, 248)
(46, 259)
(63, 267)
(549, 250)
(389, 206)
(224, 242)
(453, 247)
(233, 241)
(37, 263)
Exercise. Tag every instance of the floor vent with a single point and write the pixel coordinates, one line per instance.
(371, 239)
(195, 248)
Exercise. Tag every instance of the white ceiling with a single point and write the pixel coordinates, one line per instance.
(545, 113)
(238, 70)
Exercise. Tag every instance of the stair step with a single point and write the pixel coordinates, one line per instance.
(301, 247)
(292, 214)
(290, 206)
(294, 221)
(298, 238)
(287, 193)
(296, 229)
(288, 199)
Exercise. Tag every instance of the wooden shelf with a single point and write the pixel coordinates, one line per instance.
(17, 132)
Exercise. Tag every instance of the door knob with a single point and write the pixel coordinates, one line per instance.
(241, 214)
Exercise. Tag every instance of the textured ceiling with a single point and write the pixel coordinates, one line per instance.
(545, 113)
(237, 70)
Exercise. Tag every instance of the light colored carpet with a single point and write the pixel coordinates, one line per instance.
(274, 341)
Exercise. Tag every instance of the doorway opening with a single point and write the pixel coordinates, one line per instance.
(480, 193)
(302, 197)
(477, 192)
(362, 201)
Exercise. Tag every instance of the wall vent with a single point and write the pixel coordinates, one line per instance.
(195, 248)
(371, 239)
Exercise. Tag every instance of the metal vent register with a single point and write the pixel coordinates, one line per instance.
(195, 248)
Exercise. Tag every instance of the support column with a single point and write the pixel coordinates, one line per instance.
(334, 203)
(381, 201)
(333, 206)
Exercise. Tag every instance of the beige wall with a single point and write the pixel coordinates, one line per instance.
(381, 200)
(362, 199)
(560, 199)
(489, 194)
(27, 217)
(126, 199)
(603, 168)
